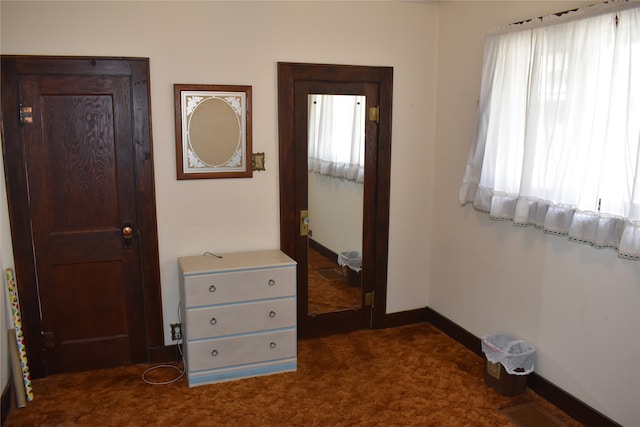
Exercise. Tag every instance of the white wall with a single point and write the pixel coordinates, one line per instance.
(579, 306)
(241, 43)
(6, 261)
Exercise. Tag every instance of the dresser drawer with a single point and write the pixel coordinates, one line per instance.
(221, 288)
(223, 352)
(232, 319)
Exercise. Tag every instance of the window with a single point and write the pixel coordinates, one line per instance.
(336, 136)
(558, 132)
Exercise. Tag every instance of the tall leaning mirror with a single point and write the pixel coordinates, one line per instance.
(336, 158)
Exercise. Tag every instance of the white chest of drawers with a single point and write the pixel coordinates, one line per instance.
(238, 315)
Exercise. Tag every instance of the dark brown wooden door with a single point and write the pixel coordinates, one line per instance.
(295, 83)
(78, 137)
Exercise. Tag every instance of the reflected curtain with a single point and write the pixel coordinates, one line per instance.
(558, 129)
(336, 136)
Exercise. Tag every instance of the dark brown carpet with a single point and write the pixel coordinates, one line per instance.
(411, 375)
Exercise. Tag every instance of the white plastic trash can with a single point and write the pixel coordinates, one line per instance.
(509, 362)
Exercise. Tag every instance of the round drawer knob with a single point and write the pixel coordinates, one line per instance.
(272, 345)
(272, 282)
(214, 353)
(212, 288)
(272, 314)
(213, 321)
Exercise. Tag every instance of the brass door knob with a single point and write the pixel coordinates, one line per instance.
(127, 232)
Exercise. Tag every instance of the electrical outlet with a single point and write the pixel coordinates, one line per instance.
(176, 331)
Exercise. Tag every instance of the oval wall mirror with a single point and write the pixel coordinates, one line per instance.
(213, 131)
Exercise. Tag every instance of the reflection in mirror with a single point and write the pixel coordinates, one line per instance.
(336, 135)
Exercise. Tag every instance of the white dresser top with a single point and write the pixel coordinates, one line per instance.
(234, 261)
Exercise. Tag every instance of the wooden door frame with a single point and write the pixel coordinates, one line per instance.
(17, 189)
(291, 191)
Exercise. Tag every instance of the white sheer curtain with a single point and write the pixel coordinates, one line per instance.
(558, 130)
(336, 136)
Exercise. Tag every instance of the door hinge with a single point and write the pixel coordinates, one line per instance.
(369, 298)
(48, 339)
(26, 115)
(374, 114)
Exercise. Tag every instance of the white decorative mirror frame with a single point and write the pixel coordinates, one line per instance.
(213, 131)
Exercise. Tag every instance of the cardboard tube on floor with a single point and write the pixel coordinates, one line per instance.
(16, 370)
